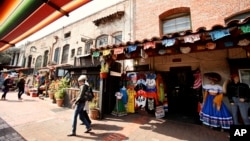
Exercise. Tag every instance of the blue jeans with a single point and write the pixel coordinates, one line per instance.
(243, 107)
(79, 110)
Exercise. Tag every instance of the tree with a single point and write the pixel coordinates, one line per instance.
(5, 58)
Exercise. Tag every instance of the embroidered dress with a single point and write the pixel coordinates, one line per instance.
(119, 109)
(214, 112)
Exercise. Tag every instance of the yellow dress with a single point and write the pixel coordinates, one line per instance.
(131, 100)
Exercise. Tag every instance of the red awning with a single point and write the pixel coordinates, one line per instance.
(20, 19)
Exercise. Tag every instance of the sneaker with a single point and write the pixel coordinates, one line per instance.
(88, 130)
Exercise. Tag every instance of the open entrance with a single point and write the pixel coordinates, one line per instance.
(182, 100)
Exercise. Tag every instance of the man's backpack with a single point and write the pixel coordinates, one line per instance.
(89, 94)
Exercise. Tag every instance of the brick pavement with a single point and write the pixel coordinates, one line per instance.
(33, 119)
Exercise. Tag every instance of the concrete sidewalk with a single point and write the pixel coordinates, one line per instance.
(33, 119)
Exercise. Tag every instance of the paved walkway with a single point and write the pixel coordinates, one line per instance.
(33, 119)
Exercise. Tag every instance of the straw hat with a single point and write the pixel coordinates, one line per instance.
(82, 77)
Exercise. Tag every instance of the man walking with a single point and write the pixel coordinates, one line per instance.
(6, 85)
(21, 85)
(78, 105)
(238, 95)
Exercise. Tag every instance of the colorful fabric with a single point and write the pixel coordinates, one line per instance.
(131, 100)
(96, 54)
(215, 35)
(214, 112)
(160, 88)
(153, 95)
(198, 80)
(168, 42)
(119, 109)
(132, 48)
(124, 95)
(191, 38)
(245, 28)
(106, 52)
(119, 50)
(148, 45)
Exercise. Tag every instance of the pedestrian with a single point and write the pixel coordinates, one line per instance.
(6, 85)
(214, 112)
(21, 85)
(239, 96)
(78, 105)
(86, 106)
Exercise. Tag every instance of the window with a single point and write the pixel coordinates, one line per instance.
(29, 61)
(102, 41)
(88, 45)
(45, 59)
(65, 54)
(72, 53)
(38, 62)
(67, 35)
(176, 23)
(57, 55)
(238, 16)
(79, 51)
(117, 38)
(33, 49)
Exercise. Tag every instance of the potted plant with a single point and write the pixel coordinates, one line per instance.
(61, 91)
(104, 70)
(93, 108)
(52, 89)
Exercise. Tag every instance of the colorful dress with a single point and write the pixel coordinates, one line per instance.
(131, 100)
(214, 112)
(119, 109)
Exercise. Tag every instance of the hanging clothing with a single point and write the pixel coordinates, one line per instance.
(123, 90)
(160, 88)
(214, 112)
(119, 109)
(131, 100)
(141, 98)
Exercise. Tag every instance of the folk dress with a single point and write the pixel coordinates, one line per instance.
(214, 112)
(119, 109)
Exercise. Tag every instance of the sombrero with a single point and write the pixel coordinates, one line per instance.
(213, 76)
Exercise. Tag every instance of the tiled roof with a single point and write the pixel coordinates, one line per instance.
(203, 31)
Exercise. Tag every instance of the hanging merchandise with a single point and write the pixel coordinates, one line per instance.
(191, 38)
(160, 88)
(119, 109)
(245, 28)
(151, 87)
(148, 45)
(106, 52)
(215, 35)
(131, 100)
(140, 99)
(119, 50)
(168, 42)
(132, 48)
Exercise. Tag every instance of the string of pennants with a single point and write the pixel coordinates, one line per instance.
(215, 35)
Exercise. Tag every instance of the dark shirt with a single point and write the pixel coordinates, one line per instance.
(239, 90)
(21, 84)
(6, 84)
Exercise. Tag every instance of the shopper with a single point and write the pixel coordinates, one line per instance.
(239, 96)
(21, 85)
(78, 105)
(6, 85)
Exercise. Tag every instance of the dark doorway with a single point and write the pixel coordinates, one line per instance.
(111, 85)
(182, 101)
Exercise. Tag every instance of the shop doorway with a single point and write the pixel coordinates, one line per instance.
(182, 101)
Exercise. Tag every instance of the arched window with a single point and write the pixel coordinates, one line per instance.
(45, 59)
(102, 41)
(175, 20)
(57, 55)
(65, 54)
(29, 61)
(38, 62)
(238, 16)
(117, 38)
